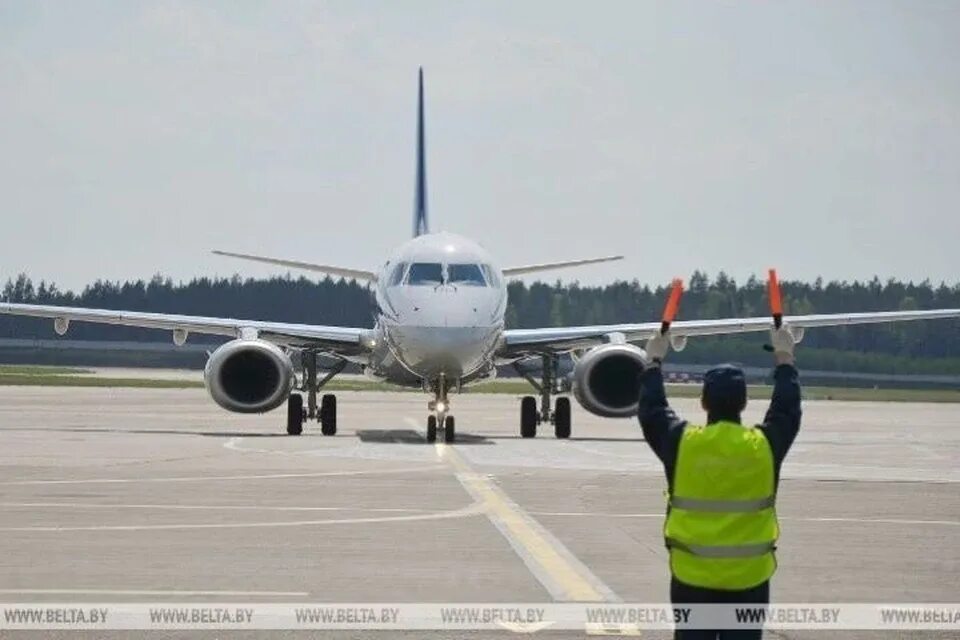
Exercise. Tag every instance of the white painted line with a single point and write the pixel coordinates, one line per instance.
(560, 572)
(271, 476)
(586, 514)
(849, 472)
(470, 510)
(589, 514)
(952, 523)
(606, 454)
(203, 507)
(154, 592)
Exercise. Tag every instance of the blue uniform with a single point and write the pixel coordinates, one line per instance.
(663, 429)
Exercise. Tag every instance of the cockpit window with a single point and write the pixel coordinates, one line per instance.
(465, 274)
(396, 276)
(425, 273)
(491, 274)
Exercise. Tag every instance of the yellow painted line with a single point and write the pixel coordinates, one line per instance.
(558, 570)
(593, 629)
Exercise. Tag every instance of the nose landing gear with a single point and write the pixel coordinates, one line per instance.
(440, 417)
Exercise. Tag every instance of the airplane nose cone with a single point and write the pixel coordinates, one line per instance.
(444, 330)
(430, 351)
(462, 313)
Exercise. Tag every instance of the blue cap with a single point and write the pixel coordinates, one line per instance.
(725, 388)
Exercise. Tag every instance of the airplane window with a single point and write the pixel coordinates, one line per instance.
(396, 276)
(467, 274)
(425, 273)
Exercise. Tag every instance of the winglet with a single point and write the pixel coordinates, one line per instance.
(420, 225)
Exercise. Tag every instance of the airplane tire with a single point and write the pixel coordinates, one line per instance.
(295, 414)
(528, 417)
(449, 429)
(561, 418)
(328, 415)
(431, 428)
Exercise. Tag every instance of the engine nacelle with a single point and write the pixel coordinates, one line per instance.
(249, 376)
(605, 380)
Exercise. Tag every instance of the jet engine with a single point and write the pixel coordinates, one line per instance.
(249, 376)
(605, 380)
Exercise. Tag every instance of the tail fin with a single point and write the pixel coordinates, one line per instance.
(420, 225)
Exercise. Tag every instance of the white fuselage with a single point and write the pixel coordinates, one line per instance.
(441, 301)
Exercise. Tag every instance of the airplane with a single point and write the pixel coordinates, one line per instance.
(439, 325)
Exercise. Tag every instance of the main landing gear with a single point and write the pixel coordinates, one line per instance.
(530, 417)
(439, 417)
(327, 413)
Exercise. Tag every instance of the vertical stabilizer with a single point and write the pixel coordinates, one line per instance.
(420, 225)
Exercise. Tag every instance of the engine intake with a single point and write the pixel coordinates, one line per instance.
(605, 380)
(249, 376)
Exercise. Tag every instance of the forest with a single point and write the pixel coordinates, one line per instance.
(929, 347)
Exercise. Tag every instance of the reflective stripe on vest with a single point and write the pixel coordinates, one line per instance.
(727, 551)
(722, 506)
(721, 527)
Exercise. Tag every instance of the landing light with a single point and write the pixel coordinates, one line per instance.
(441, 407)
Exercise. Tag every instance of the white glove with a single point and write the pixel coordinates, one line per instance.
(657, 348)
(783, 343)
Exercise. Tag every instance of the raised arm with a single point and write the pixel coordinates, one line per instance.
(782, 422)
(660, 424)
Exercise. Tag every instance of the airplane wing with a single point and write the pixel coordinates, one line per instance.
(344, 340)
(558, 339)
(344, 272)
(549, 266)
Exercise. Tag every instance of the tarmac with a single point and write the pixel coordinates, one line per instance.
(140, 495)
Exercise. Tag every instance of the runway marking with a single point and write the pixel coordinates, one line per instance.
(885, 474)
(351, 450)
(951, 523)
(605, 454)
(595, 629)
(205, 507)
(589, 514)
(564, 576)
(270, 476)
(474, 509)
(155, 592)
(234, 445)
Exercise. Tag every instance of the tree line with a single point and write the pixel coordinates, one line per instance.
(912, 347)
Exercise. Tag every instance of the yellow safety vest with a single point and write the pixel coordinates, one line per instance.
(721, 528)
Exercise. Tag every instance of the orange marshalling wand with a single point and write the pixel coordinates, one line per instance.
(673, 304)
(776, 303)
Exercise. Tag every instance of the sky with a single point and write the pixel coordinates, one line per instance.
(822, 138)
